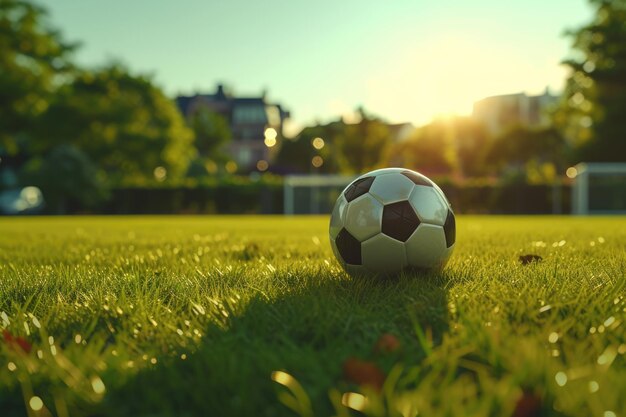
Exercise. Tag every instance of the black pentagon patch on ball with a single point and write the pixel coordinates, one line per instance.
(399, 220)
(417, 179)
(449, 228)
(358, 188)
(349, 247)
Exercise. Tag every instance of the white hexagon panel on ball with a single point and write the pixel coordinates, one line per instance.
(426, 248)
(383, 255)
(363, 217)
(391, 187)
(429, 205)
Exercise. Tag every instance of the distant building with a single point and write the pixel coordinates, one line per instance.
(248, 117)
(499, 113)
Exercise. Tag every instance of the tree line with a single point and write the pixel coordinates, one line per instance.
(454, 146)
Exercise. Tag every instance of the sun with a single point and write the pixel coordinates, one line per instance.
(444, 76)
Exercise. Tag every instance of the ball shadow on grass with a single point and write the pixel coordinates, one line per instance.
(308, 331)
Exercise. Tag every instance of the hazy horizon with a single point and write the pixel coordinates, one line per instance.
(404, 61)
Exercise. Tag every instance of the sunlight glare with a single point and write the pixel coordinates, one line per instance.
(283, 378)
(354, 400)
(444, 76)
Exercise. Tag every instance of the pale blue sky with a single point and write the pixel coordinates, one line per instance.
(404, 60)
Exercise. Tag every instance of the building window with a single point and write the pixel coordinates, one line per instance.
(249, 114)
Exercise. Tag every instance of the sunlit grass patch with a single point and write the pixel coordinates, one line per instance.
(253, 316)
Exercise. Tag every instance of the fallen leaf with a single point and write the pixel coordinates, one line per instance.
(387, 343)
(364, 373)
(528, 405)
(18, 342)
(526, 259)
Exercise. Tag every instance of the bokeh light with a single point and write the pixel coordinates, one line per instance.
(317, 161)
(270, 133)
(586, 121)
(31, 195)
(318, 143)
(98, 385)
(571, 172)
(35, 403)
(231, 167)
(210, 166)
(262, 165)
(269, 141)
(160, 173)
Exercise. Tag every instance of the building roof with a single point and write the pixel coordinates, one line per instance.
(248, 100)
(224, 100)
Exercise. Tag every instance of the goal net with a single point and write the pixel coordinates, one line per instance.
(312, 194)
(599, 188)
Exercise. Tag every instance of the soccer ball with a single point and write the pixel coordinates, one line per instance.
(391, 219)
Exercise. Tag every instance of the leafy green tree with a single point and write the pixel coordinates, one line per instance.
(33, 59)
(296, 155)
(212, 132)
(122, 122)
(592, 111)
(66, 175)
(520, 149)
(362, 146)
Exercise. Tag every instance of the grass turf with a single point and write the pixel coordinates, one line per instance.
(190, 316)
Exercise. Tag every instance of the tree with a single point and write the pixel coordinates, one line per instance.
(122, 122)
(521, 150)
(592, 112)
(33, 59)
(297, 155)
(211, 133)
(65, 175)
(362, 146)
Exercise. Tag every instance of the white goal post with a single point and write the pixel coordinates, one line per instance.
(599, 188)
(312, 194)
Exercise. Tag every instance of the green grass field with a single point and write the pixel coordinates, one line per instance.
(191, 316)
